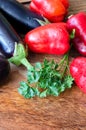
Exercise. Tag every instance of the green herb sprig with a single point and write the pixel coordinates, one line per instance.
(47, 79)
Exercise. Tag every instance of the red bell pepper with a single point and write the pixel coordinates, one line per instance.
(65, 3)
(79, 45)
(78, 22)
(53, 10)
(78, 72)
(51, 39)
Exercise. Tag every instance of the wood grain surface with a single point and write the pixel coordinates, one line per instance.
(65, 112)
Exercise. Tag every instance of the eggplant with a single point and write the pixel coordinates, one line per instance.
(8, 37)
(4, 68)
(21, 18)
(11, 45)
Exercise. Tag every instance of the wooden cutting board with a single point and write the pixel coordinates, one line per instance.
(65, 112)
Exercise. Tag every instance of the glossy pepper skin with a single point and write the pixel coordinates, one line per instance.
(53, 10)
(78, 72)
(50, 39)
(78, 22)
(79, 45)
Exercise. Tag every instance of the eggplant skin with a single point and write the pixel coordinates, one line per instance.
(19, 16)
(8, 37)
(4, 68)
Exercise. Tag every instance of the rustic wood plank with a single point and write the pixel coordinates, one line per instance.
(65, 112)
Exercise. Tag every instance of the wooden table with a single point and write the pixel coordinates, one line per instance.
(65, 112)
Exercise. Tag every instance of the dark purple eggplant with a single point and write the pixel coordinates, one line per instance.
(8, 37)
(4, 68)
(19, 16)
(11, 44)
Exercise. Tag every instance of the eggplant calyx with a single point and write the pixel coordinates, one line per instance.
(41, 22)
(19, 56)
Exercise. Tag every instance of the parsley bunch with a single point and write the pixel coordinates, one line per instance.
(46, 79)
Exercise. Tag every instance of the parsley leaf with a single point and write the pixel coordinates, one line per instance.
(46, 79)
(27, 91)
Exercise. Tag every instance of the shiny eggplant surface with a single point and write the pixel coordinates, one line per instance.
(4, 68)
(8, 37)
(21, 18)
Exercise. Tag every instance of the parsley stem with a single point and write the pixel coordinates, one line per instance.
(64, 61)
(66, 64)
